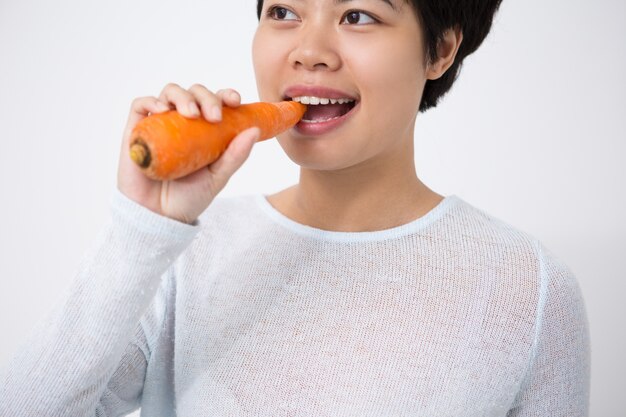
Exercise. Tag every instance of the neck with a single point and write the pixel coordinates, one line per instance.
(374, 195)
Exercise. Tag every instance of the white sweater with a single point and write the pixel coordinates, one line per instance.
(248, 313)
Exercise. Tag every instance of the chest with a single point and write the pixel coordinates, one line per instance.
(367, 346)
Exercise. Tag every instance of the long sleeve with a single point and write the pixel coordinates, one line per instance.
(91, 340)
(558, 381)
(123, 392)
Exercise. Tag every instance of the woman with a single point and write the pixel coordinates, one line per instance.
(358, 291)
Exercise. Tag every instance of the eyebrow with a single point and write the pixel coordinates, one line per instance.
(384, 1)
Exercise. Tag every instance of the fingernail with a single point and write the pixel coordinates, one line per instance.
(216, 113)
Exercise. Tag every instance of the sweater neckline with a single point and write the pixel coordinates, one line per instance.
(335, 236)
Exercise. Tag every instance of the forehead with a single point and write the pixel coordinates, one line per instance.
(389, 3)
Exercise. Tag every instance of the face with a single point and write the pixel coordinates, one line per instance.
(369, 49)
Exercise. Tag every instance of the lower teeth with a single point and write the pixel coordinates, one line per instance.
(319, 121)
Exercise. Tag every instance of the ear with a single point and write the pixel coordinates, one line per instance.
(446, 52)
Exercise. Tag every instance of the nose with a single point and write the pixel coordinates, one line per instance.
(315, 49)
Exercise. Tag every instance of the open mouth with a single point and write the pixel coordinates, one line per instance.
(324, 109)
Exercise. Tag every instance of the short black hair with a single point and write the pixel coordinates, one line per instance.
(473, 17)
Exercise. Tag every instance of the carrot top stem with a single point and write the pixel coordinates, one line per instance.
(140, 154)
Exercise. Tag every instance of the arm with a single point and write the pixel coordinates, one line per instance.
(89, 348)
(123, 392)
(557, 383)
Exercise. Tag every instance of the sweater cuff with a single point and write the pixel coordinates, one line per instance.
(136, 216)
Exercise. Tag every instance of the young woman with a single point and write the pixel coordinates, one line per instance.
(358, 291)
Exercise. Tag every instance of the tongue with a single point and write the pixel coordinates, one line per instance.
(326, 111)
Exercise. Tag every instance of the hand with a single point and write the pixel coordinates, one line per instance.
(185, 198)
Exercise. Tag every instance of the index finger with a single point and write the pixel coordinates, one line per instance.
(142, 107)
(229, 96)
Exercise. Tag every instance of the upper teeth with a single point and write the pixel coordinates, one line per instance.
(319, 100)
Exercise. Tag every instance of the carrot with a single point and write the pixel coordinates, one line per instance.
(168, 145)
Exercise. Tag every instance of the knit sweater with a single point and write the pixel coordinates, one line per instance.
(249, 313)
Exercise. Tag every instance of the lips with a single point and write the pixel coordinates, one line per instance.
(320, 123)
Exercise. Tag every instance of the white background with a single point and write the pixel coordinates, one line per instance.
(533, 133)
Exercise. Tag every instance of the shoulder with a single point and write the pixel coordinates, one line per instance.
(477, 229)
(488, 240)
(517, 264)
(227, 212)
(483, 236)
(230, 222)
(226, 206)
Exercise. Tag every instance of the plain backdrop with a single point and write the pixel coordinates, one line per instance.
(533, 133)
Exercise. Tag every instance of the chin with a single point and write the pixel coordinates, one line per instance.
(319, 161)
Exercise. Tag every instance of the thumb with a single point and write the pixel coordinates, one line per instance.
(234, 156)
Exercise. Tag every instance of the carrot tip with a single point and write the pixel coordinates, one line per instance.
(140, 154)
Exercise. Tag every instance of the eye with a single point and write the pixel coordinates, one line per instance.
(354, 16)
(279, 13)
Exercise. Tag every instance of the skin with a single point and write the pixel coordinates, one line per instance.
(358, 169)
(345, 175)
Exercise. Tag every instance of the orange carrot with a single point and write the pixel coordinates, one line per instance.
(168, 145)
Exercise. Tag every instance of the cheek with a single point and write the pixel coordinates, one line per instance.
(261, 62)
(389, 78)
(266, 60)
